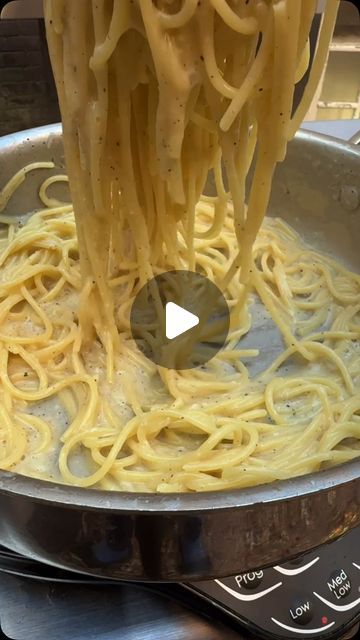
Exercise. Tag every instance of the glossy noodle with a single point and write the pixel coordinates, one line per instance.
(154, 95)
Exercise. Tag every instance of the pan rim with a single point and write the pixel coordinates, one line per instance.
(43, 491)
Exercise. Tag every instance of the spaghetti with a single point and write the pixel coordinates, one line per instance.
(153, 95)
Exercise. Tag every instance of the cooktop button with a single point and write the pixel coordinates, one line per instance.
(250, 580)
(302, 610)
(339, 584)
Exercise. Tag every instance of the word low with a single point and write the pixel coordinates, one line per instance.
(300, 610)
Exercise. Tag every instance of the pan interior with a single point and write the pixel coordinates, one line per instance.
(316, 191)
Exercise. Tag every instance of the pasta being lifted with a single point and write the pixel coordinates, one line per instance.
(154, 94)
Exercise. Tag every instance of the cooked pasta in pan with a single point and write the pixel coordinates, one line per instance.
(154, 95)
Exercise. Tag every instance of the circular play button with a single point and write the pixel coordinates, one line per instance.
(180, 320)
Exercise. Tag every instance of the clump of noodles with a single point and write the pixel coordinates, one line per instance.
(154, 95)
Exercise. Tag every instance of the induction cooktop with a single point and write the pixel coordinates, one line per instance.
(315, 596)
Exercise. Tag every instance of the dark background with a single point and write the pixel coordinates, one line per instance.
(27, 91)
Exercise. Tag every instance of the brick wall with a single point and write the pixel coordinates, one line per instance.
(27, 91)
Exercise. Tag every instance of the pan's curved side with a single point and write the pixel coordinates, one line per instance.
(182, 544)
(183, 537)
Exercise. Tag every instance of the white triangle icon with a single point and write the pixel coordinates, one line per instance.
(178, 320)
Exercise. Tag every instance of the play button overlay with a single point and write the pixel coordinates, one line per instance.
(180, 320)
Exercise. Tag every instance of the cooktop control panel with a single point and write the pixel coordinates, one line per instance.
(315, 596)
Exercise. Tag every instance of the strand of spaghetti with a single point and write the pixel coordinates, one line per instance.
(18, 444)
(252, 79)
(179, 19)
(52, 202)
(246, 26)
(41, 427)
(57, 347)
(304, 62)
(166, 64)
(207, 44)
(284, 328)
(14, 183)
(41, 394)
(333, 357)
(55, 291)
(286, 29)
(120, 23)
(224, 459)
(106, 466)
(32, 362)
(321, 53)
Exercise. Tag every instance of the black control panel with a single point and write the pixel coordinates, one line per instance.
(316, 596)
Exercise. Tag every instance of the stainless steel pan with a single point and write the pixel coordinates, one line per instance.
(181, 537)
